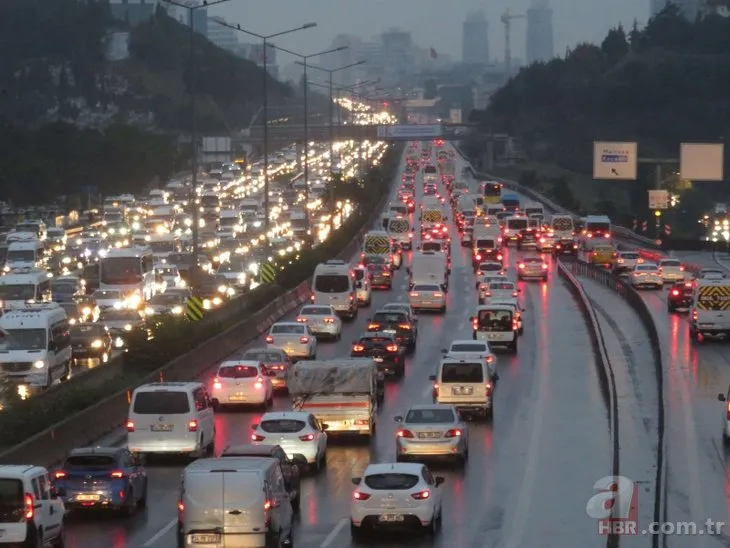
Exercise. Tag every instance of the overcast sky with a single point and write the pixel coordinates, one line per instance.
(433, 23)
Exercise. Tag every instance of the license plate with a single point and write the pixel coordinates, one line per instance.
(205, 538)
(462, 390)
(705, 325)
(428, 435)
(494, 336)
(87, 497)
(391, 331)
(161, 427)
(390, 518)
(237, 398)
(379, 360)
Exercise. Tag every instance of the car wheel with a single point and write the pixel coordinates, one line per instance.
(356, 532)
(60, 540)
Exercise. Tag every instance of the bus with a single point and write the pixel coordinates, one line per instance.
(511, 202)
(596, 228)
(492, 192)
(129, 270)
(23, 286)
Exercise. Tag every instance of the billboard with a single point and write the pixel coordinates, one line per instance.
(701, 161)
(455, 115)
(410, 131)
(613, 160)
(658, 199)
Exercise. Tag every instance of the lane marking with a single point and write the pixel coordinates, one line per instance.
(157, 536)
(333, 534)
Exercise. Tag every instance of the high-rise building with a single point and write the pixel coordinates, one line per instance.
(348, 56)
(539, 32)
(475, 39)
(133, 12)
(222, 36)
(398, 58)
(690, 8)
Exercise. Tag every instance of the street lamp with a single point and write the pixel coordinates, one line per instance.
(193, 129)
(331, 73)
(265, 39)
(304, 59)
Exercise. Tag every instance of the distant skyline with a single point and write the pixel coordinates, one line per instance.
(431, 24)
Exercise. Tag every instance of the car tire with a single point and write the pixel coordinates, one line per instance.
(142, 502)
(60, 540)
(513, 347)
(400, 371)
(356, 532)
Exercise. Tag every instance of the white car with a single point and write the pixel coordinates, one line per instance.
(322, 320)
(427, 296)
(483, 286)
(671, 269)
(431, 430)
(469, 349)
(518, 310)
(546, 242)
(293, 338)
(363, 287)
(501, 290)
(485, 268)
(107, 298)
(646, 275)
(170, 276)
(296, 432)
(242, 382)
(626, 262)
(396, 495)
(725, 398)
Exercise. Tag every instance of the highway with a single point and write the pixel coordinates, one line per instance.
(530, 472)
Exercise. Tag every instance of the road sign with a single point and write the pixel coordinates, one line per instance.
(668, 230)
(194, 309)
(701, 161)
(658, 199)
(410, 131)
(268, 273)
(615, 161)
(455, 116)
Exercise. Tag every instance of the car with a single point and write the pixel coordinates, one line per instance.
(290, 467)
(532, 267)
(169, 302)
(363, 287)
(298, 433)
(396, 323)
(518, 310)
(396, 495)
(471, 349)
(236, 273)
(322, 321)
(672, 270)
(91, 341)
(566, 247)
(242, 382)
(488, 267)
(680, 296)
(602, 255)
(170, 275)
(527, 238)
(427, 297)
(273, 359)
(121, 322)
(501, 290)
(431, 430)
(404, 307)
(107, 298)
(384, 349)
(381, 275)
(711, 273)
(647, 274)
(546, 242)
(483, 287)
(102, 477)
(625, 262)
(294, 338)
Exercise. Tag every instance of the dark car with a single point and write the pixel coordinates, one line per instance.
(680, 296)
(527, 238)
(566, 247)
(90, 275)
(380, 275)
(395, 323)
(384, 349)
(102, 477)
(273, 359)
(291, 468)
(91, 341)
(486, 254)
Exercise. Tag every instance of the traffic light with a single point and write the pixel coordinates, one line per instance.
(657, 213)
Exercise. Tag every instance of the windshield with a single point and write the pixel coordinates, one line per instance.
(121, 270)
(430, 169)
(462, 372)
(17, 292)
(238, 372)
(119, 315)
(210, 201)
(391, 482)
(167, 271)
(231, 267)
(162, 247)
(166, 298)
(20, 255)
(492, 189)
(88, 330)
(671, 262)
(56, 233)
(282, 426)
(227, 222)
(490, 267)
(106, 295)
(495, 320)
(469, 347)
(24, 339)
(598, 228)
(63, 287)
(11, 501)
(636, 256)
(264, 356)
(431, 246)
(517, 224)
(426, 287)
(91, 461)
(332, 283)
(485, 244)
(399, 226)
(71, 309)
(430, 416)
(389, 317)
(502, 286)
(161, 402)
(650, 268)
(316, 311)
(287, 329)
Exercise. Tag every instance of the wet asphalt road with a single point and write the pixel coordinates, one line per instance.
(531, 470)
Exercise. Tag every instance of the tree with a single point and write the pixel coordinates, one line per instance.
(615, 46)
(430, 89)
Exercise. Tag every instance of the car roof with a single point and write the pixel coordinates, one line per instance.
(427, 406)
(469, 341)
(279, 415)
(102, 451)
(394, 467)
(249, 449)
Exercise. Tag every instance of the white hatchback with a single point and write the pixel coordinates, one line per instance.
(646, 275)
(294, 338)
(671, 270)
(243, 382)
(322, 320)
(296, 432)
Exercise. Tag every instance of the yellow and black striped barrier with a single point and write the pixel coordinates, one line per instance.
(194, 309)
(268, 273)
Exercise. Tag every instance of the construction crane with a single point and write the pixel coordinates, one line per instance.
(507, 22)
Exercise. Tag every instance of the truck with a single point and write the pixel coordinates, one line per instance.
(709, 311)
(343, 393)
(432, 217)
(376, 242)
(429, 267)
(400, 230)
(448, 170)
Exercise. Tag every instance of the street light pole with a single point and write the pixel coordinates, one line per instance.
(265, 39)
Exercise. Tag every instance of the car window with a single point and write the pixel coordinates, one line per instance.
(282, 426)
(287, 329)
(429, 416)
(468, 347)
(391, 481)
(238, 371)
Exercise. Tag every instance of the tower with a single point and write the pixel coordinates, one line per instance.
(539, 32)
(475, 39)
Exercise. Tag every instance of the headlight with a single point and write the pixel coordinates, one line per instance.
(72, 321)
(86, 310)
(177, 309)
(222, 288)
(133, 300)
(149, 311)
(206, 304)
(40, 364)
(128, 327)
(217, 301)
(96, 344)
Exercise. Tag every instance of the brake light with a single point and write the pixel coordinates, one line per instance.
(357, 495)
(392, 348)
(489, 359)
(453, 433)
(499, 257)
(180, 506)
(423, 495)
(130, 426)
(410, 235)
(607, 235)
(522, 265)
(302, 320)
(445, 229)
(373, 325)
(117, 474)
(728, 411)
(404, 326)
(386, 274)
(542, 240)
(308, 437)
(488, 387)
(479, 257)
(329, 320)
(474, 324)
(29, 504)
(515, 325)
(675, 292)
(515, 294)
(438, 295)
(352, 298)
(488, 294)
(267, 505)
(311, 297)
(695, 315)
(256, 437)
(544, 266)
(358, 348)
(259, 384)
(589, 235)
(217, 385)
(681, 269)
(60, 474)
(193, 426)
(688, 284)
(403, 433)
(269, 340)
(304, 340)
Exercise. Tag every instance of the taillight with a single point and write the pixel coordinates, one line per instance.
(29, 504)
(479, 257)
(392, 348)
(488, 386)
(256, 437)
(259, 384)
(675, 292)
(311, 297)
(728, 411)
(681, 269)
(302, 320)
(521, 266)
(329, 320)
(410, 235)
(217, 385)
(695, 315)
(445, 229)
(515, 325)
(499, 257)
(474, 324)
(117, 474)
(373, 325)
(404, 326)
(607, 235)
(308, 437)
(269, 340)
(542, 240)
(180, 507)
(357, 495)
(453, 433)
(130, 426)
(489, 359)
(403, 433)
(438, 295)
(192, 426)
(544, 266)
(358, 348)
(515, 294)
(267, 505)
(304, 340)
(352, 298)
(423, 495)
(60, 474)
(488, 294)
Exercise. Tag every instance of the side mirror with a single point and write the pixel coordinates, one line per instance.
(398, 418)
(439, 481)
(356, 481)
(254, 425)
(432, 377)
(325, 426)
(721, 397)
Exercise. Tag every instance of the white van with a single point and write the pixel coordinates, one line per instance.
(562, 226)
(398, 208)
(239, 502)
(171, 418)
(28, 253)
(429, 267)
(497, 324)
(513, 225)
(400, 230)
(36, 348)
(25, 285)
(464, 383)
(708, 312)
(334, 284)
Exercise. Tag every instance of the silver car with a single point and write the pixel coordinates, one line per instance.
(672, 270)
(432, 430)
(626, 261)
(427, 296)
(646, 275)
(488, 267)
(275, 360)
(532, 267)
(322, 320)
(294, 338)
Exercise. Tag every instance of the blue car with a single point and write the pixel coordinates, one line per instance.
(102, 478)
